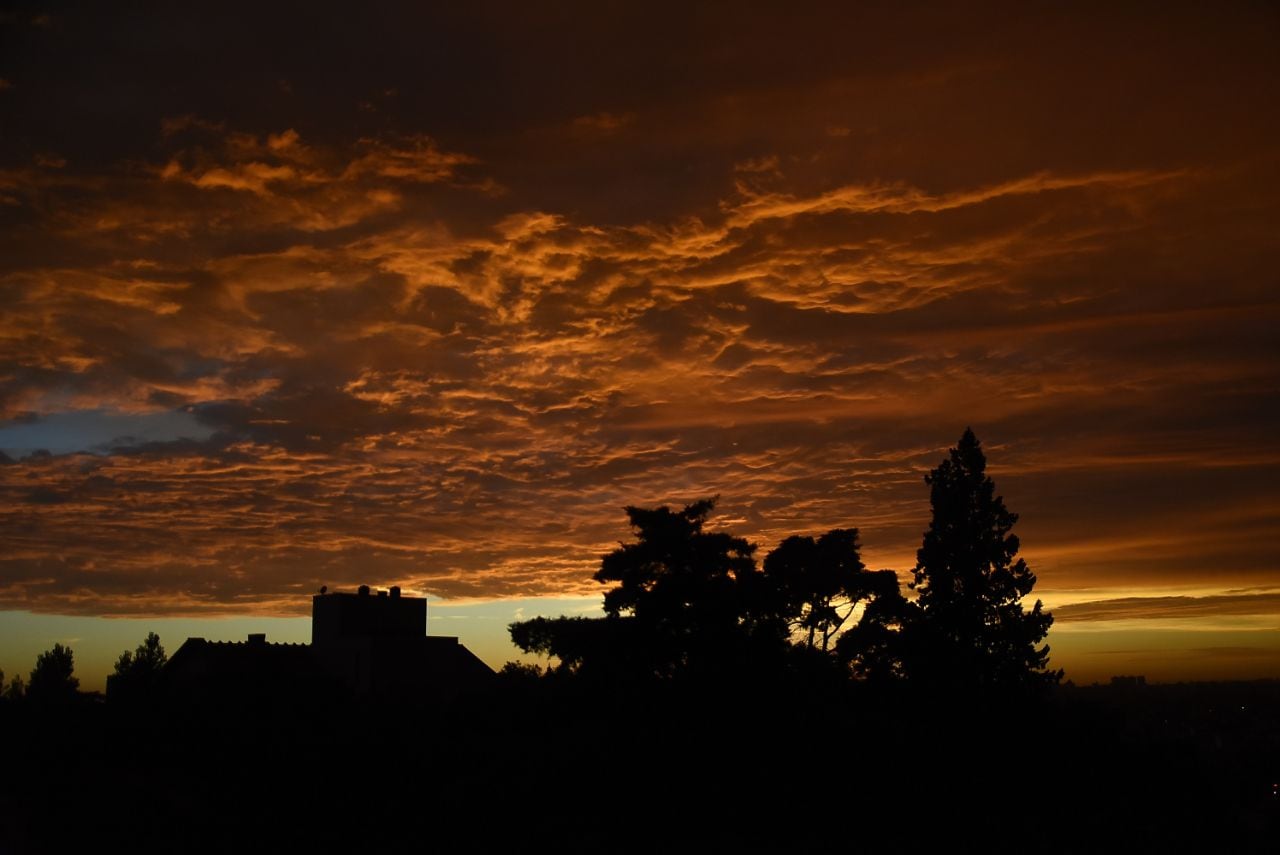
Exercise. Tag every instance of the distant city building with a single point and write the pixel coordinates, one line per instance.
(363, 644)
(1129, 682)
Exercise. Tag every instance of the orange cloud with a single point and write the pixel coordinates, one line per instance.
(778, 293)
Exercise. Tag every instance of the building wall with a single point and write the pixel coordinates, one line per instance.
(340, 617)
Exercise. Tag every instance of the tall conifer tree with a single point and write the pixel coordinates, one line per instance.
(969, 628)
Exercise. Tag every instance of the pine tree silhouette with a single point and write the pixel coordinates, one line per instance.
(969, 629)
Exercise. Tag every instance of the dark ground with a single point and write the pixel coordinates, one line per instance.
(535, 764)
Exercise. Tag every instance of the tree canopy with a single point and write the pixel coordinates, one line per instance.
(687, 600)
(137, 671)
(695, 596)
(818, 582)
(675, 572)
(968, 628)
(52, 679)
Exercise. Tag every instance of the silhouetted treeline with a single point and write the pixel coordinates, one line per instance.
(692, 605)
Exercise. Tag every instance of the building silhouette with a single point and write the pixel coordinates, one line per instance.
(362, 644)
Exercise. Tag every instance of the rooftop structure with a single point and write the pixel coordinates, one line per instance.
(363, 643)
(341, 617)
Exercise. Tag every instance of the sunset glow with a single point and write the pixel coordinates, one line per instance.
(426, 299)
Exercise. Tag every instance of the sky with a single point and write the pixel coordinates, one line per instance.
(306, 294)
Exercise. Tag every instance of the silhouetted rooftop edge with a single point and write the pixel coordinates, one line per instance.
(367, 645)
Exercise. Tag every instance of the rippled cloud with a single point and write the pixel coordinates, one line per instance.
(412, 348)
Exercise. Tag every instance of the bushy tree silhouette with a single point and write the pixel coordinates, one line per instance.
(872, 648)
(593, 646)
(685, 600)
(16, 690)
(675, 571)
(137, 672)
(51, 680)
(695, 595)
(968, 629)
(818, 582)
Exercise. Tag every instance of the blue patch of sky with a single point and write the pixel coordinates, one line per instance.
(97, 431)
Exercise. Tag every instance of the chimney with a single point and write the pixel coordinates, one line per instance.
(395, 592)
(256, 638)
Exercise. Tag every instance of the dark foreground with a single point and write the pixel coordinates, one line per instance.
(537, 765)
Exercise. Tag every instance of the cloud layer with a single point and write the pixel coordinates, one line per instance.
(443, 347)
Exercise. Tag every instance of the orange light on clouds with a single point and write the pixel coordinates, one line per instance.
(436, 330)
